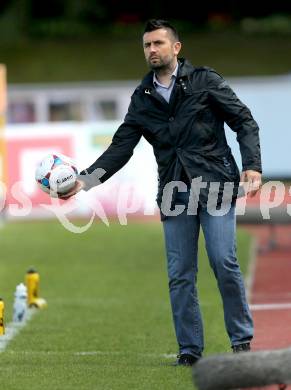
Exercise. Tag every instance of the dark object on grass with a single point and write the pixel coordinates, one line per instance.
(243, 370)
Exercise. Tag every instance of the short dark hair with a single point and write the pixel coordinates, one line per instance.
(155, 24)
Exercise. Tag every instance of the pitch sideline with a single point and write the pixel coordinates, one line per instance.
(13, 328)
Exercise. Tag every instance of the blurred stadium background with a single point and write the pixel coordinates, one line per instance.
(71, 68)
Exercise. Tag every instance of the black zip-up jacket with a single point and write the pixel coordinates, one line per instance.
(188, 132)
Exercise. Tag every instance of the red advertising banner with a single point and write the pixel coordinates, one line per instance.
(23, 156)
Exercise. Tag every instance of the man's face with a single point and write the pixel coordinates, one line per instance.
(160, 49)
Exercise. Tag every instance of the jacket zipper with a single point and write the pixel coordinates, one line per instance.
(184, 167)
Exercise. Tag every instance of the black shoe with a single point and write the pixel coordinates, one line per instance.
(245, 347)
(186, 360)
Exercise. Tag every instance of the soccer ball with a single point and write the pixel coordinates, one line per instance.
(56, 174)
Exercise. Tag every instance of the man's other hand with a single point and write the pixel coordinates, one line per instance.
(253, 180)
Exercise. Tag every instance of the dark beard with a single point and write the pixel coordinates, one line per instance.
(158, 66)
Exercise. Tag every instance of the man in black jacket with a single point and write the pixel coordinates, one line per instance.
(181, 111)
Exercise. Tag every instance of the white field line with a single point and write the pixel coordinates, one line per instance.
(271, 306)
(13, 328)
(103, 353)
(100, 353)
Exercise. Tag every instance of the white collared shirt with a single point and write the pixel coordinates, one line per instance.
(162, 89)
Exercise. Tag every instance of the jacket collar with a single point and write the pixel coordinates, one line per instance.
(184, 70)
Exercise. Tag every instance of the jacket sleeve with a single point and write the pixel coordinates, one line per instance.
(117, 154)
(239, 119)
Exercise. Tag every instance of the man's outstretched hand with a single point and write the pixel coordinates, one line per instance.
(253, 179)
(79, 185)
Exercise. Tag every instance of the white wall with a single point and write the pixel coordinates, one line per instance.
(270, 102)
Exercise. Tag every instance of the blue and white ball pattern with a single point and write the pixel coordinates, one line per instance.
(56, 174)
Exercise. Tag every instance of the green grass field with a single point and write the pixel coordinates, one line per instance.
(108, 321)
